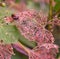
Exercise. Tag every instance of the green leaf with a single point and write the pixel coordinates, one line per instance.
(26, 42)
(57, 7)
(17, 1)
(5, 11)
(33, 5)
(57, 0)
(8, 33)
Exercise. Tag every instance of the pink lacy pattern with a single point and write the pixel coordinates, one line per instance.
(31, 29)
(45, 51)
(6, 51)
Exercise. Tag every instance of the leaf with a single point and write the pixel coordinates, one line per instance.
(17, 1)
(57, 0)
(8, 33)
(33, 5)
(57, 6)
(26, 42)
(4, 11)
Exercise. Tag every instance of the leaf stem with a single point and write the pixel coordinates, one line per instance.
(50, 10)
(25, 49)
(56, 13)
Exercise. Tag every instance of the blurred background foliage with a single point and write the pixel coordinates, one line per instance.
(6, 10)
